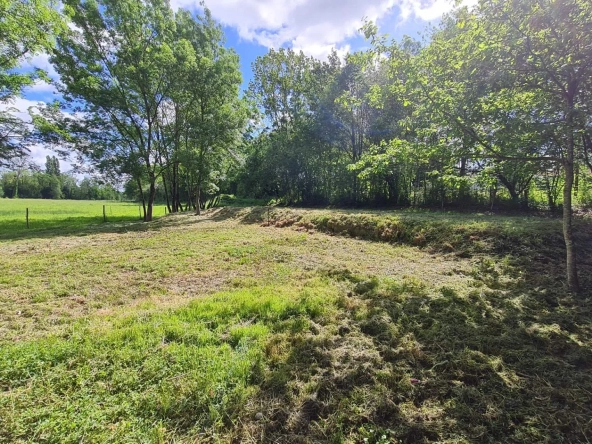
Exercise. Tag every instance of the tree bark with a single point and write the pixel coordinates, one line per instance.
(573, 283)
(151, 197)
(16, 186)
(166, 192)
(139, 182)
(198, 200)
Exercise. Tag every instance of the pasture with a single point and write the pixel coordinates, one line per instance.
(63, 216)
(287, 325)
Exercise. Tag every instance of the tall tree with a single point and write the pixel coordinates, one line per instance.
(113, 65)
(546, 45)
(52, 166)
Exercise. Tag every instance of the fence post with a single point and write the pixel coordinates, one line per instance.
(27, 218)
(104, 214)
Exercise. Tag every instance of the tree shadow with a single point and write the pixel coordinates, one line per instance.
(508, 360)
(83, 226)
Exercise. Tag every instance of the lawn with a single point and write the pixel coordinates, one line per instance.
(63, 215)
(285, 325)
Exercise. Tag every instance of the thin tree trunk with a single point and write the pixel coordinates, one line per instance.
(16, 186)
(139, 182)
(176, 196)
(573, 283)
(166, 192)
(198, 199)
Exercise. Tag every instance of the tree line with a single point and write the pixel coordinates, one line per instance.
(27, 180)
(494, 108)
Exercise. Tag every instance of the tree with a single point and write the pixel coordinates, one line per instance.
(27, 27)
(156, 95)
(19, 164)
(113, 63)
(52, 166)
(545, 45)
(507, 83)
(208, 116)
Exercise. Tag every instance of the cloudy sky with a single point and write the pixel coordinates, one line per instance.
(313, 26)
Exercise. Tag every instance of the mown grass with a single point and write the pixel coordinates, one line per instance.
(227, 328)
(62, 216)
(184, 372)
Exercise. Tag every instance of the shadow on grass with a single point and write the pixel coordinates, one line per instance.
(79, 226)
(509, 360)
(83, 226)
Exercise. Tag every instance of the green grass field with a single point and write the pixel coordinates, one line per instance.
(63, 215)
(287, 325)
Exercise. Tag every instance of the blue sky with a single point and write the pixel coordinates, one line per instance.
(313, 26)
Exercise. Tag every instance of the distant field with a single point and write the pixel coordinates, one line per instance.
(63, 215)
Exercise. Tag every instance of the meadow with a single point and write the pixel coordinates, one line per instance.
(63, 215)
(292, 325)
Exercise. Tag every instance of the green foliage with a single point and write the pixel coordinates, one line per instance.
(159, 96)
(36, 185)
(464, 120)
(26, 29)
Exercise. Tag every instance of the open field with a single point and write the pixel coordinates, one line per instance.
(257, 325)
(46, 216)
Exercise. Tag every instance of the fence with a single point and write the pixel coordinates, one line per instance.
(19, 214)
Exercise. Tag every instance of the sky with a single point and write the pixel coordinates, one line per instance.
(252, 27)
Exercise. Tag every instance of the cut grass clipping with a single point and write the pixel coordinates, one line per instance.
(391, 327)
(187, 372)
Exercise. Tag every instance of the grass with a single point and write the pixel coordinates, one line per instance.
(245, 325)
(47, 216)
(181, 372)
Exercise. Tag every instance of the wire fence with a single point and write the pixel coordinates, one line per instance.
(38, 214)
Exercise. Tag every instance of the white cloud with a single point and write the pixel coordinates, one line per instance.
(315, 26)
(42, 88)
(19, 107)
(429, 10)
(41, 61)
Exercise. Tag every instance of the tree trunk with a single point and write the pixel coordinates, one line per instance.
(198, 200)
(151, 197)
(550, 199)
(176, 196)
(511, 187)
(524, 203)
(139, 182)
(166, 193)
(15, 196)
(573, 283)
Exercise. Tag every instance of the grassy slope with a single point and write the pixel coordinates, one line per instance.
(457, 331)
